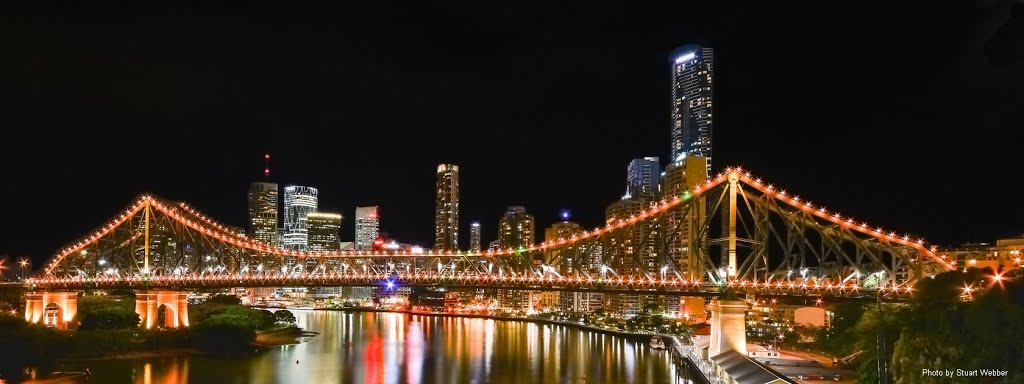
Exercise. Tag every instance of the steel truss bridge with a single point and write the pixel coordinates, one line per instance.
(731, 231)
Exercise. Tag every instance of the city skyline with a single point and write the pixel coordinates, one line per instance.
(767, 192)
(545, 110)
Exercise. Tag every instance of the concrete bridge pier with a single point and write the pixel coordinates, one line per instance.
(56, 309)
(147, 305)
(728, 327)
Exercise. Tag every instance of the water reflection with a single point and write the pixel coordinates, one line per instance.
(401, 348)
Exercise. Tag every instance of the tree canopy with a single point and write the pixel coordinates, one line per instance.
(106, 312)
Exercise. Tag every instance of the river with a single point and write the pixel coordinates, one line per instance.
(373, 347)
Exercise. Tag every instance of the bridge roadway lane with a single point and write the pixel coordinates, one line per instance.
(671, 287)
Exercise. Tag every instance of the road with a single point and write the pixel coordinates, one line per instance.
(796, 363)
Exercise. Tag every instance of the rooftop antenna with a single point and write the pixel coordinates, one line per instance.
(266, 169)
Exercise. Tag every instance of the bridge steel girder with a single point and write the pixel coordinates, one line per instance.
(646, 287)
(159, 244)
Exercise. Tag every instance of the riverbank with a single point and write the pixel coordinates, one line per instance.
(281, 336)
(638, 336)
(264, 339)
(169, 352)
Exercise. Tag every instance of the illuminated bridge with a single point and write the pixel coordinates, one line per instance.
(734, 230)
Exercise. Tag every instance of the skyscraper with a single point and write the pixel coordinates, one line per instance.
(643, 177)
(323, 231)
(474, 237)
(680, 237)
(516, 230)
(567, 262)
(367, 227)
(446, 212)
(324, 235)
(692, 83)
(263, 212)
(684, 242)
(298, 202)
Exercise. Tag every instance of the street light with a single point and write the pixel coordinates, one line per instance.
(23, 263)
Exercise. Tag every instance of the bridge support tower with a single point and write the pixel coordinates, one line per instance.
(56, 309)
(728, 327)
(147, 305)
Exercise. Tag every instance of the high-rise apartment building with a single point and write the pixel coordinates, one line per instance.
(643, 177)
(568, 261)
(516, 230)
(367, 227)
(474, 237)
(681, 237)
(561, 259)
(692, 84)
(298, 202)
(446, 211)
(263, 212)
(630, 251)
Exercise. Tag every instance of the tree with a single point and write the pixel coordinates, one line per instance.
(224, 299)
(220, 334)
(839, 339)
(106, 312)
(109, 318)
(23, 344)
(266, 319)
(876, 334)
(944, 330)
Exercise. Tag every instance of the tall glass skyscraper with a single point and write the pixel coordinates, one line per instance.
(298, 202)
(692, 83)
(263, 212)
(446, 211)
(367, 227)
(474, 237)
(643, 177)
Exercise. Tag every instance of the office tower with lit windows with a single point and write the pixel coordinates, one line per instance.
(474, 237)
(298, 202)
(323, 231)
(692, 86)
(643, 177)
(446, 211)
(324, 235)
(367, 227)
(516, 231)
(263, 212)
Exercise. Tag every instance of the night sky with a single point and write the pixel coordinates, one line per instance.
(901, 115)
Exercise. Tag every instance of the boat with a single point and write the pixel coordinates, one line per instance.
(657, 342)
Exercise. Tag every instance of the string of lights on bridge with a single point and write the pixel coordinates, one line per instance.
(216, 230)
(623, 283)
